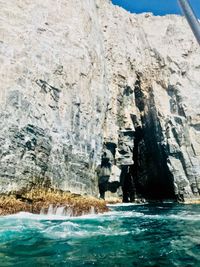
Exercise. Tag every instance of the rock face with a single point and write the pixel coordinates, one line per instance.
(77, 74)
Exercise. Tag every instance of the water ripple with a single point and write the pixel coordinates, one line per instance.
(128, 235)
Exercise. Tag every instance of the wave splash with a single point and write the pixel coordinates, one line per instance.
(123, 235)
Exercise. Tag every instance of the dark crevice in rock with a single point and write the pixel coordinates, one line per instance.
(111, 147)
(47, 88)
(139, 170)
(128, 183)
(196, 126)
(127, 91)
(152, 176)
(139, 96)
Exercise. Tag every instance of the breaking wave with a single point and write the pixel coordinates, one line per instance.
(127, 235)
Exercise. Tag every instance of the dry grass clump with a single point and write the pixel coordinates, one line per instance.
(40, 199)
(11, 205)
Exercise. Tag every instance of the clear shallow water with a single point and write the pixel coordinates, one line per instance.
(132, 235)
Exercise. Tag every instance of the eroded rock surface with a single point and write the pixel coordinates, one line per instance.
(75, 74)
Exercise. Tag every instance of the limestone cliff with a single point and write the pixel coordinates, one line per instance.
(77, 74)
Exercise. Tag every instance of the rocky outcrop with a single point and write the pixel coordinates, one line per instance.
(77, 74)
(50, 202)
(160, 66)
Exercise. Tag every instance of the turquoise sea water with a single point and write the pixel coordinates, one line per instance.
(135, 235)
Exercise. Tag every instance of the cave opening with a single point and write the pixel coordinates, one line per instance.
(143, 162)
(150, 171)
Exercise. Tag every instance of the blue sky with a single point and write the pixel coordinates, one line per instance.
(157, 7)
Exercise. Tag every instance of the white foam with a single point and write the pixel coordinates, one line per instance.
(31, 216)
(188, 217)
(125, 204)
(59, 214)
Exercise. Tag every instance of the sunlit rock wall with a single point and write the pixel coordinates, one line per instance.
(53, 94)
(77, 73)
(154, 78)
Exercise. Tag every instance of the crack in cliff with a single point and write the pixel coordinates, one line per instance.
(153, 179)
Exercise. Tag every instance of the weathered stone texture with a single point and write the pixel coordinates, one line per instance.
(75, 73)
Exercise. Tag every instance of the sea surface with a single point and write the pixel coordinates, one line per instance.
(128, 235)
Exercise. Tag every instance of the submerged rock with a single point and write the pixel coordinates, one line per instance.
(77, 74)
